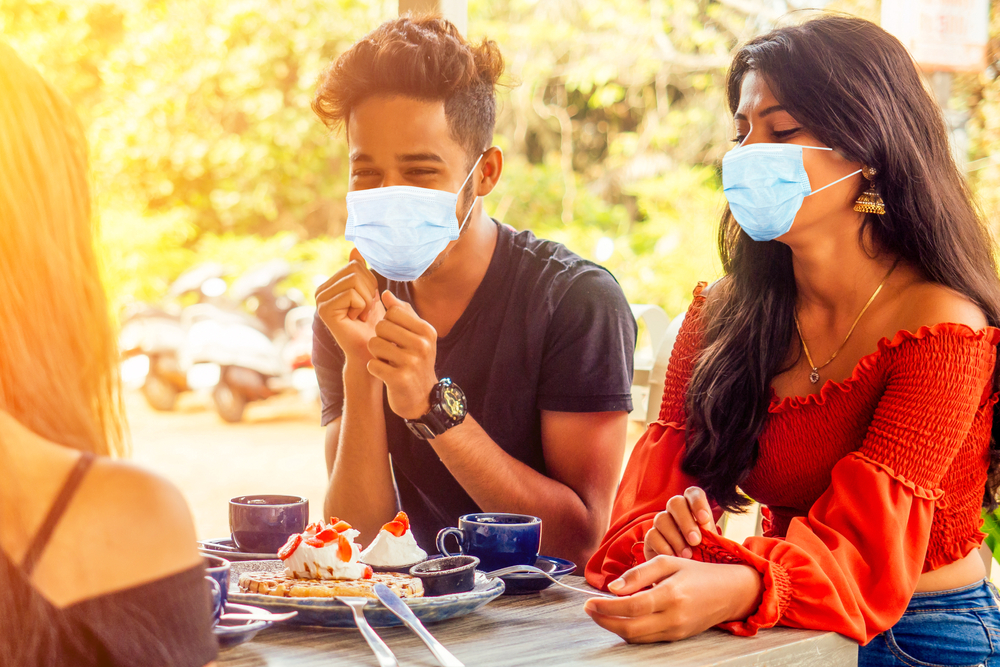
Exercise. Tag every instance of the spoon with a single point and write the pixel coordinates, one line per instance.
(534, 570)
(218, 546)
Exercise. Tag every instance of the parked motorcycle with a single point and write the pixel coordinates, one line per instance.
(259, 355)
(152, 338)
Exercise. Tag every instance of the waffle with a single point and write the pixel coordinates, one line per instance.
(281, 585)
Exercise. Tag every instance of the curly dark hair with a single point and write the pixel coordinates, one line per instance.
(425, 58)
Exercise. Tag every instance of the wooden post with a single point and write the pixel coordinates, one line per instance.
(456, 11)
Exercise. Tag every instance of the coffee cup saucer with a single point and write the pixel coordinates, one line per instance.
(224, 547)
(522, 583)
(233, 633)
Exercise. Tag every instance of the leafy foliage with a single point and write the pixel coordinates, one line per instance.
(613, 125)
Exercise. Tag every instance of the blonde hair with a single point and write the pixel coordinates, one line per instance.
(58, 351)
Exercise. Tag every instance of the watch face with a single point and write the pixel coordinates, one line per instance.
(453, 401)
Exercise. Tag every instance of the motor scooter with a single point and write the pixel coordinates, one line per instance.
(256, 356)
(152, 336)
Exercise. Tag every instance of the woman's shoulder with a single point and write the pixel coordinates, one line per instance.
(125, 527)
(927, 304)
(932, 325)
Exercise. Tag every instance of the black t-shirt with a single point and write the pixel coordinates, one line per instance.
(545, 330)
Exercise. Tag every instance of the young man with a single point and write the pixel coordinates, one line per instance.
(463, 367)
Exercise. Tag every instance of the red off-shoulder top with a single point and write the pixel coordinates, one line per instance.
(865, 485)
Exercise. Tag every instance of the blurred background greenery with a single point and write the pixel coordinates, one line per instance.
(613, 124)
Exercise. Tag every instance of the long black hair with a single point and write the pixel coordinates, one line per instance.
(855, 88)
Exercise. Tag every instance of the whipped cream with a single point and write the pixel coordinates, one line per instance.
(309, 562)
(387, 550)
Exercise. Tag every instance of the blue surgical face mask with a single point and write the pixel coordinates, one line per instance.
(401, 229)
(765, 185)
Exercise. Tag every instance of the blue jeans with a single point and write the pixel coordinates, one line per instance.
(954, 628)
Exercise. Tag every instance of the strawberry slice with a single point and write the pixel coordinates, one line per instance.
(396, 528)
(403, 519)
(313, 542)
(340, 526)
(327, 535)
(314, 527)
(369, 573)
(344, 550)
(290, 546)
(333, 520)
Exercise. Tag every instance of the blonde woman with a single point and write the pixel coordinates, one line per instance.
(97, 558)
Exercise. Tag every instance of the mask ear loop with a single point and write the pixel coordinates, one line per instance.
(462, 187)
(835, 182)
(828, 185)
(746, 137)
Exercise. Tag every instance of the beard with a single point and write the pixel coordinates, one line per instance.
(467, 206)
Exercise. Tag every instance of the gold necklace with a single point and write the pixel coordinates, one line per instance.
(814, 375)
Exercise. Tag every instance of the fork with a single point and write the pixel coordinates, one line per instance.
(259, 616)
(382, 652)
(534, 570)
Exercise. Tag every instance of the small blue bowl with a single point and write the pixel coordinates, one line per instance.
(262, 524)
(448, 575)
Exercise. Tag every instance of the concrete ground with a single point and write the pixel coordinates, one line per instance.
(277, 449)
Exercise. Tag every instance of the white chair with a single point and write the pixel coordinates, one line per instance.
(650, 362)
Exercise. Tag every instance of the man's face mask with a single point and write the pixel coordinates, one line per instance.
(401, 229)
(765, 185)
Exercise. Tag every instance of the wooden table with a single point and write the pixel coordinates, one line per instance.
(548, 629)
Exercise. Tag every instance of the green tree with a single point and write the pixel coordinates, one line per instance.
(613, 124)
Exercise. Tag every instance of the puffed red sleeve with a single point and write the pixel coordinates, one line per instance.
(852, 564)
(653, 473)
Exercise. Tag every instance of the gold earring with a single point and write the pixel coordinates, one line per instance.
(870, 201)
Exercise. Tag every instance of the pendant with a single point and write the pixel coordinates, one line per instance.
(814, 376)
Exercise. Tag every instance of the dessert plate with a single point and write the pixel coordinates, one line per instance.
(224, 547)
(234, 633)
(522, 583)
(331, 613)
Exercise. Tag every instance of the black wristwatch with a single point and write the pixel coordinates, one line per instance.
(448, 409)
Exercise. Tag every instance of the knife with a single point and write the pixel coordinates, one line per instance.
(399, 608)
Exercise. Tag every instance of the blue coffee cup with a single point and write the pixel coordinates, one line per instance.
(496, 539)
(262, 524)
(218, 569)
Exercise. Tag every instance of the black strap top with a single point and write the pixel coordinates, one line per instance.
(165, 622)
(44, 534)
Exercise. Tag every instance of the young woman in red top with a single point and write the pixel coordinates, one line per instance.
(841, 374)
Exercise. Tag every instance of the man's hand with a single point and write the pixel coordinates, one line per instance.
(403, 353)
(687, 597)
(349, 306)
(679, 528)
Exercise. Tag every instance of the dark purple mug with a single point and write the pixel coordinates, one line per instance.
(262, 524)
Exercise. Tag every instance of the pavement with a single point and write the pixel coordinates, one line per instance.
(278, 448)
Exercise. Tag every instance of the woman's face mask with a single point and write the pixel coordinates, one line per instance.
(401, 229)
(765, 185)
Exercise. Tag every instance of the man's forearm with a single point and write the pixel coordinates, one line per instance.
(360, 486)
(498, 482)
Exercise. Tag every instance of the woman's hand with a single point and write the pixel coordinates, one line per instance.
(679, 528)
(687, 598)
